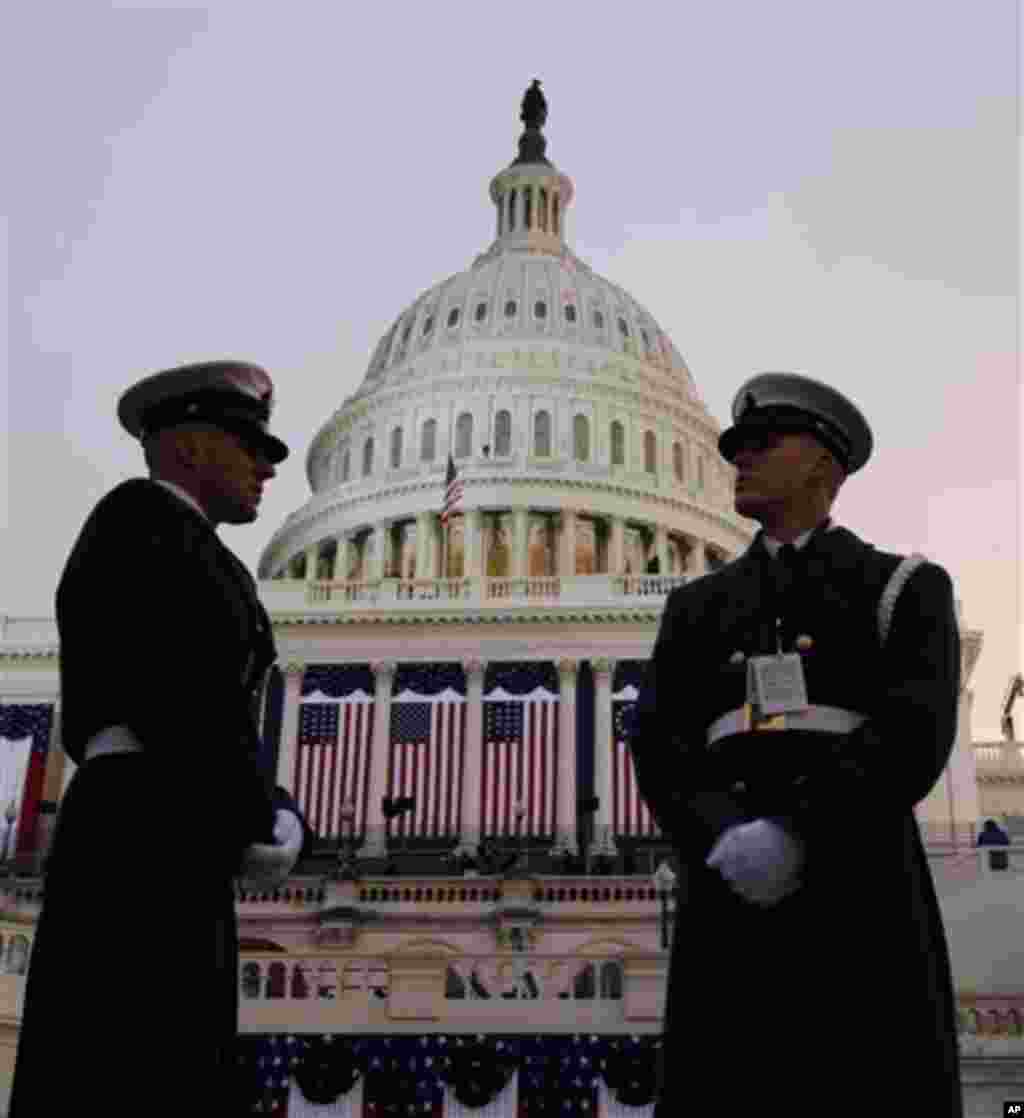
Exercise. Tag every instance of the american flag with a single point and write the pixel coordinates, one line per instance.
(452, 491)
(427, 732)
(24, 743)
(630, 815)
(332, 761)
(520, 762)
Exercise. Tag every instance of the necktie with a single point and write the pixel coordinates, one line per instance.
(786, 568)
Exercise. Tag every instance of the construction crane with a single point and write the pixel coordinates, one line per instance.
(1014, 690)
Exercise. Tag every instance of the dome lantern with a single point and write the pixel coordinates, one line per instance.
(531, 195)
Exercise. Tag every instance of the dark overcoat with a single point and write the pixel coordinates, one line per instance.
(132, 991)
(839, 999)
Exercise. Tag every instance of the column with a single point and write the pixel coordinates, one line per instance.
(343, 558)
(473, 543)
(56, 761)
(520, 532)
(375, 842)
(603, 842)
(68, 766)
(472, 757)
(661, 547)
(381, 552)
(311, 561)
(293, 672)
(423, 541)
(616, 545)
(565, 812)
(698, 563)
(567, 543)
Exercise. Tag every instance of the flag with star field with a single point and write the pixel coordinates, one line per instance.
(24, 747)
(520, 749)
(630, 815)
(332, 754)
(428, 727)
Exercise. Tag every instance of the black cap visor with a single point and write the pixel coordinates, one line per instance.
(757, 426)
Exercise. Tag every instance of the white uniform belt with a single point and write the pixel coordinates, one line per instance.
(832, 720)
(114, 739)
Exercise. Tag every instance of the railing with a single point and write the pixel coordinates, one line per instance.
(471, 591)
(312, 993)
(531, 589)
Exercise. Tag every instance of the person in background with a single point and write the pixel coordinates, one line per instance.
(993, 835)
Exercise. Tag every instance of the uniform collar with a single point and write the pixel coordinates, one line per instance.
(772, 545)
(182, 495)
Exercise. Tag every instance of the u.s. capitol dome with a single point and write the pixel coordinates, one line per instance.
(575, 425)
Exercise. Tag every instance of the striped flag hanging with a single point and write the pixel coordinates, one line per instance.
(452, 491)
(520, 762)
(332, 761)
(630, 815)
(24, 744)
(427, 732)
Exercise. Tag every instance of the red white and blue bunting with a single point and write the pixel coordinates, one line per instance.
(442, 1076)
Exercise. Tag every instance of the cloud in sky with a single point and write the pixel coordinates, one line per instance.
(825, 188)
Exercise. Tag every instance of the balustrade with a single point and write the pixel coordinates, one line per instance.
(599, 589)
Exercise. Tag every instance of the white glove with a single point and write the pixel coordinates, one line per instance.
(271, 863)
(761, 861)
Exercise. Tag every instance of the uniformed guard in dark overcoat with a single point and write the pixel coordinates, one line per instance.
(799, 702)
(131, 1003)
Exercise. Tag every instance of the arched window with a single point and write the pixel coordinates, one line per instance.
(512, 211)
(277, 980)
(623, 327)
(677, 460)
(570, 312)
(583, 984)
(540, 309)
(510, 308)
(428, 441)
(368, 458)
(554, 214)
(346, 465)
(502, 434)
(581, 438)
(428, 324)
(542, 434)
(618, 444)
(454, 984)
(542, 208)
(396, 448)
(464, 435)
(481, 311)
(645, 337)
(453, 317)
(406, 332)
(527, 206)
(598, 320)
(650, 452)
(611, 980)
(250, 980)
